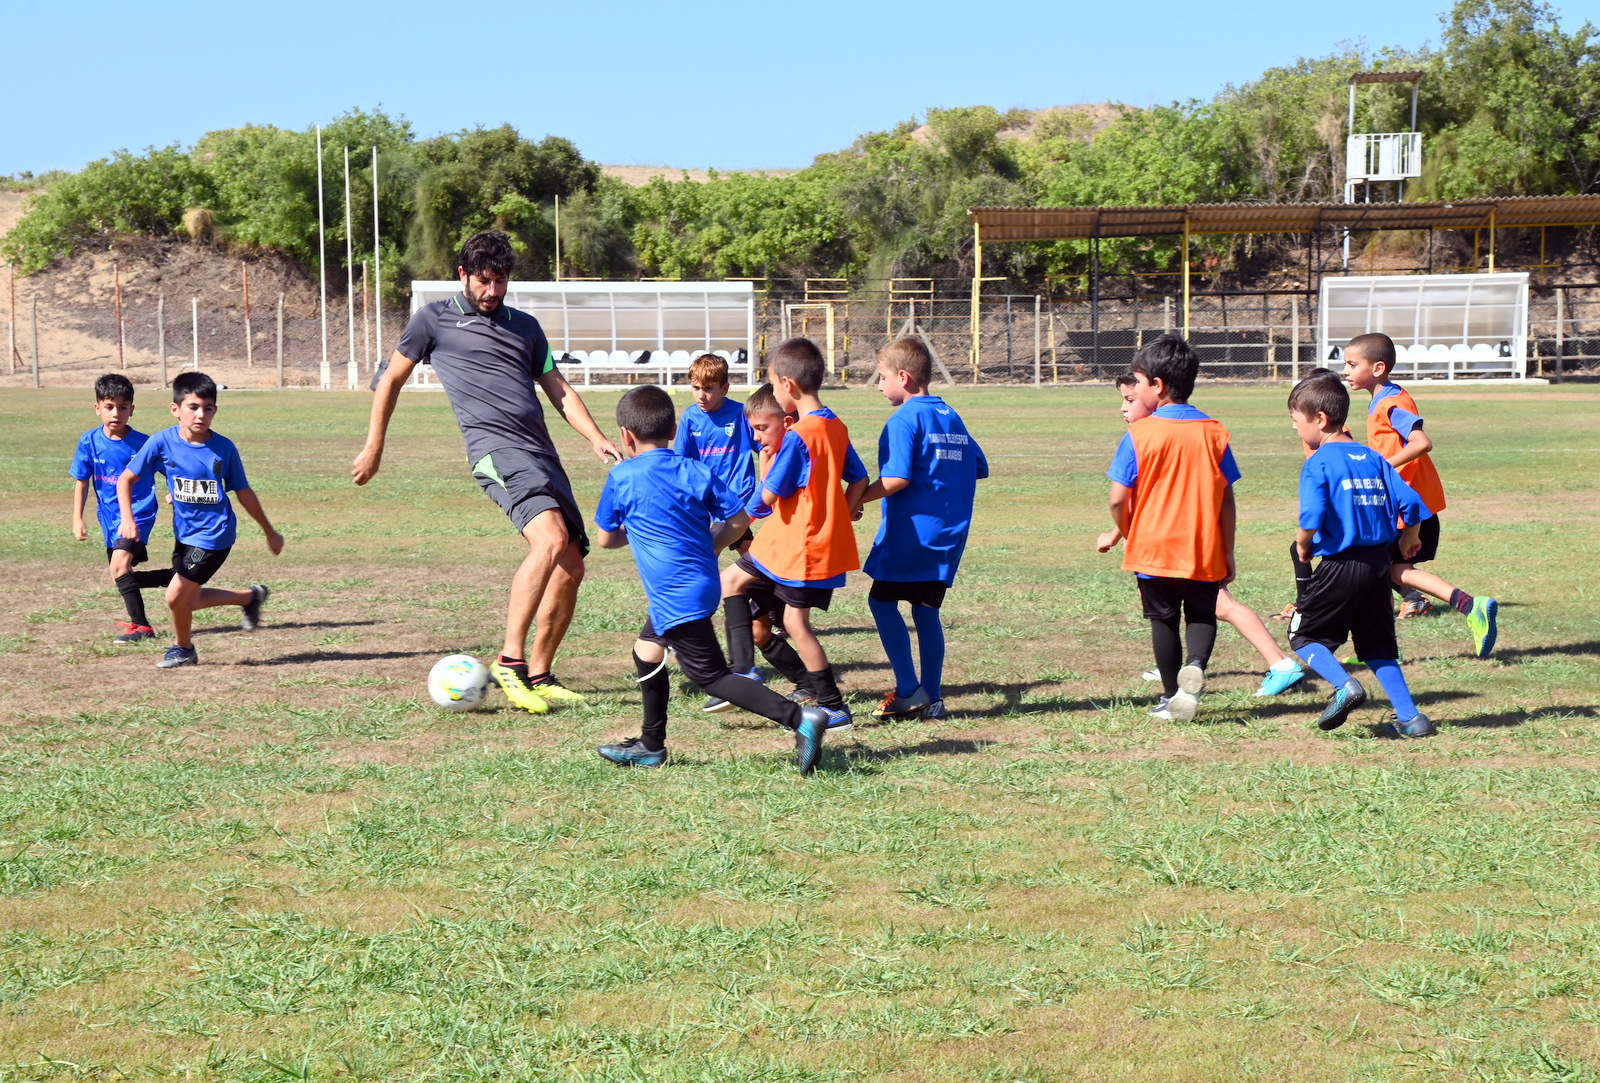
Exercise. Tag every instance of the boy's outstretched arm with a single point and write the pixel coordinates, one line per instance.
(250, 502)
(80, 492)
(383, 401)
(1229, 521)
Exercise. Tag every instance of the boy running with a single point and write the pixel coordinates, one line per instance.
(807, 545)
(1350, 501)
(665, 506)
(1172, 498)
(1283, 672)
(103, 454)
(928, 472)
(1394, 430)
(201, 468)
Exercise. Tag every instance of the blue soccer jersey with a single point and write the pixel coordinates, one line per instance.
(1350, 496)
(667, 504)
(924, 527)
(199, 478)
(101, 460)
(723, 441)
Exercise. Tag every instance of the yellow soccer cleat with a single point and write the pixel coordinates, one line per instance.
(556, 692)
(516, 688)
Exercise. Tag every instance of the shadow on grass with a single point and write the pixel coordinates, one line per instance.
(861, 755)
(225, 629)
(306, 657)
(1516, 654)
(1506, 719)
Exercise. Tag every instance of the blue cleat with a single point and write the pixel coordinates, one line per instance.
(808, 737)
(179, 656)
(1350, 695)
(1418, 726)
(1278, 681)
(632, 753)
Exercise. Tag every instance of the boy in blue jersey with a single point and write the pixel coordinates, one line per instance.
(663, 506)
(201, 467)
(1350, 502)
(714, 431)
(928, 471)
(103, 453)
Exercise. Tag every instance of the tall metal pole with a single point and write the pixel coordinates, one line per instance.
(377, 259)
(349, 277)
(161, 334)
(280, 340)
(194, 330)
(1037, 355)
(977, 287)
(116, 281)
(366, 320)
(1185, 276)
(558, 238)
(322, 268)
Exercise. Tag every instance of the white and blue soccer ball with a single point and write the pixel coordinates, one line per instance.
(458, 682)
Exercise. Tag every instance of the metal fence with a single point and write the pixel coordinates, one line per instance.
(1024, 338)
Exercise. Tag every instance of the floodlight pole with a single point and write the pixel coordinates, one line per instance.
(349, 277)
(558, 237)
(977, 289)
(377, 259)
(322, 267)
(1186, 275)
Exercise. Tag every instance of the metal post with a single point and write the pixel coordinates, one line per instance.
(1037, 358)
(280, 340)
(349, 278)
(377, 260)
(1055, 357)
(1011, 372)
(116, 281)
(322, 269)
(1294, 337)
(1491, 240)
(161, 335)
(1166, 314)
(194, 326)
(33, 317)
(366, 320)
(977, 288)
(249, 347)
(1561, 327)
(1094, 302)
(558, 239)
(1186, 276)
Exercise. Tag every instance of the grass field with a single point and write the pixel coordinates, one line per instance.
(286, 864)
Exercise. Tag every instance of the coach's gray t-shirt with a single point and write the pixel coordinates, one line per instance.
(487, 364)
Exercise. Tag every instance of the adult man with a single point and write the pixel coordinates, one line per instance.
(489, 359)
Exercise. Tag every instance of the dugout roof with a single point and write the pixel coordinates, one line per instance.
(1082, 223)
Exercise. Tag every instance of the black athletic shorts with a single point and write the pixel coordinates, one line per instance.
(696, 645)
(927, 592)
(525, 485)
(1429, 533)
(133, 547)
(1163, 597)
(198, 565)
(799, 597)
(1348, 598)
(764, 605)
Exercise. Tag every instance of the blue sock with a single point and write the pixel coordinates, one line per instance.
(1324, 664)
(1387, 670)
(930, 645)
(896, 642)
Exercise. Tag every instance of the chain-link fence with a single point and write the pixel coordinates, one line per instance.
(1023, 338)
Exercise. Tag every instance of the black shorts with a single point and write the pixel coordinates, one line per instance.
(133, 547)
(1348, 598)
(198, 565)
(764, 604)
(927, 592)
(696, 645)
(1163, 597)
(1429, 533)
(798, 597)
(742, 540)
(525, 485)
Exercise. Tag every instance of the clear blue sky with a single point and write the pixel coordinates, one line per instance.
(695, 84)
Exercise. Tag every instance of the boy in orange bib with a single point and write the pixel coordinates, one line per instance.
(807, 543)
(1172, 499)
(1394, 430)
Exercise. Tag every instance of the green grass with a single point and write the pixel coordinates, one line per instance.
(286, 864)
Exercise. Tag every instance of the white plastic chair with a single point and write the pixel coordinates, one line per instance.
(618, 357)
(680, 357)
(580, 356)
(1481, 350)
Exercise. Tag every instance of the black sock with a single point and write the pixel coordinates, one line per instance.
(741, 639)
(654, 689)
(1302, 574)
(1201, 637)
(519, 666)
(153, 580)
(821, 681)
(1461, 601)
(132, 600)
(755, 698)
(786, 660)
(535, 678)
(1169, 653)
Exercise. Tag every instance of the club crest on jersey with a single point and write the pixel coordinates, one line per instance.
(196, 490)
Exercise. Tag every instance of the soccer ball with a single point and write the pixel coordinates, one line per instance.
(458, 682)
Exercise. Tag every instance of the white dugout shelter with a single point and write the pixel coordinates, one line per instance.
(1447, 326)
(649, 328)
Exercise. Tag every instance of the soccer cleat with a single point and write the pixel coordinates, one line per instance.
(251, 615)
(553, 691)
(1415, 606)
(515, 686)
(713, 704)
(1162, 709)
(935, 712)
(1278, 681)
(896, 707)
(133, 633)
(839, 718)
(1285, 614)
(808, 738)
(803, 696)
(179, 656)
(1150, 675)
(1347, 698)
(1418, 726)
(1483, 624)
(1186, 701)
(632, 753)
